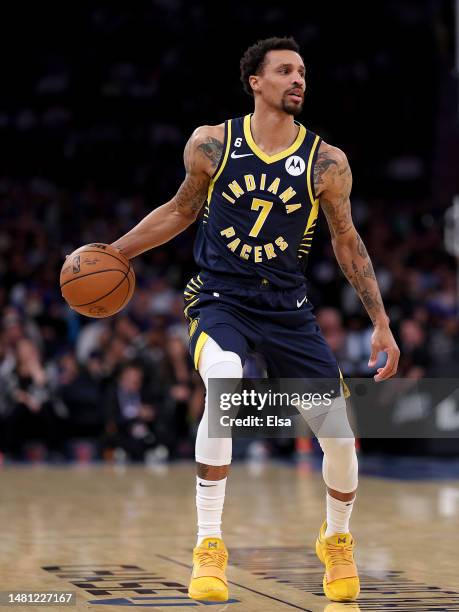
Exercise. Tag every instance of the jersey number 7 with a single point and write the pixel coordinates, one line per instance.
(265, 208)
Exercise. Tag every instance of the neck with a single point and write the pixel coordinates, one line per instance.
(273, 130)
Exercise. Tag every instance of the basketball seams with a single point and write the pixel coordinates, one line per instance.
(105, 253)
(128, 292)
(89, 287)
(91, 274)
(102, 297)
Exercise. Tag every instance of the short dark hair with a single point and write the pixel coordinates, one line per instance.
(253, 60)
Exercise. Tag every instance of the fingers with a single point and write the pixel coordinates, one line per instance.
(391, 366)
(373, 357)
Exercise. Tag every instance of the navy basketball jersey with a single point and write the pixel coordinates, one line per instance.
(261, 210)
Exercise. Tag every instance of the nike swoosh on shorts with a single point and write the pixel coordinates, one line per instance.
(300, 303)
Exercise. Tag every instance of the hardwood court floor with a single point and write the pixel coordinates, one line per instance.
(121, 537)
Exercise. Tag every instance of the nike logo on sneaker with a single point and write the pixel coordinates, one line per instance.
(300, 303)
(234, 155)
(201, 485)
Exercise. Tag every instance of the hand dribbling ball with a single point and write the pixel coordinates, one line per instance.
(97, 280)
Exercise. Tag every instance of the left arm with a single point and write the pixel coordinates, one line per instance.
(333, 183)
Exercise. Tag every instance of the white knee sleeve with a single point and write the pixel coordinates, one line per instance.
(339, 465)
(215, 363)
(335, 435)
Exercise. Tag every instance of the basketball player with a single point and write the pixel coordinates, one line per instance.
(261, 179)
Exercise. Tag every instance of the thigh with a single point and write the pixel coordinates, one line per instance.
(300, 352)
(210, 317)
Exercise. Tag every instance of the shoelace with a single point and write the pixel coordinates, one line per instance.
(340, 555)
(214, 557)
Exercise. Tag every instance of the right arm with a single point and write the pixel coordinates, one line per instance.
(201, 157)
(333, 181)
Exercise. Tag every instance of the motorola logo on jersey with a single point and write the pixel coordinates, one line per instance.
(295, 165)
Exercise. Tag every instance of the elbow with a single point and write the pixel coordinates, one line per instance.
(345, 241)
(186, 218)
(185, 215)
(342, 251)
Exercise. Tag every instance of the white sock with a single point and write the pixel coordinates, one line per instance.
(210, 496)
(338, 515)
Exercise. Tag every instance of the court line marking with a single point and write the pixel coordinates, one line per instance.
(287, 603)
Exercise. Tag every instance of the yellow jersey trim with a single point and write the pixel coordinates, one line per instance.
(269, 159)
(311, 219)
(346, 391)
(185, 311)
(308, 171)
(198, 348)
(225, 159)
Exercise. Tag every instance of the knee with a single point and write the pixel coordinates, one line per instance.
(340, 465)
(338, 447)
(231, 362)
(214, 362)
(226, 365)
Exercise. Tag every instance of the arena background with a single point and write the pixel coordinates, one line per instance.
(98, 100)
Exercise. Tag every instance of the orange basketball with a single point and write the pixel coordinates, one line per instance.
(97, 280)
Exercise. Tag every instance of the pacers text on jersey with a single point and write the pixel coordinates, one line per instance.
(267, 250)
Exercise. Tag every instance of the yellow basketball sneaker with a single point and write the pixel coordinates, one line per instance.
(341, 580)
(208, 580)
(339, 607)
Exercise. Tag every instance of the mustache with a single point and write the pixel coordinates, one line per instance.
(294, 91)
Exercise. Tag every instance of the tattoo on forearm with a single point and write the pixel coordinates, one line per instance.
(212, 149)
(333, 181)
(368, 293)
(361, 249)
(371, 302)
(368, 271)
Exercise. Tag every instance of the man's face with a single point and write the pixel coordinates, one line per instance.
(281, 83)
(131, 380)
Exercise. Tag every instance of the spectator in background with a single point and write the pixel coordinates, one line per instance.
(185, 392)
(80, 388)
(134, 423)
(14, 328)
(33, 408)
(415, 359)
(66, 182)
(115, 352)
(330, 322)
(443, 348)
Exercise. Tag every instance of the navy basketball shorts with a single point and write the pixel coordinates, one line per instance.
(277, 323)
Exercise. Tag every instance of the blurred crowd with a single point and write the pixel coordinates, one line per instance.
(127, 383)
(93, 138)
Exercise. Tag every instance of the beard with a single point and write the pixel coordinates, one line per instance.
(291, 108)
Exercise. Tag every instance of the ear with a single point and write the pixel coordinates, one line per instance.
(254, 81)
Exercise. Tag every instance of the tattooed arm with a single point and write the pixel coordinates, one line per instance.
(333, 182)
(201, 157)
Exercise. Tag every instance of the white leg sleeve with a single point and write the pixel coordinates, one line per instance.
(340, 466)
(215, 363)
(336, 438)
